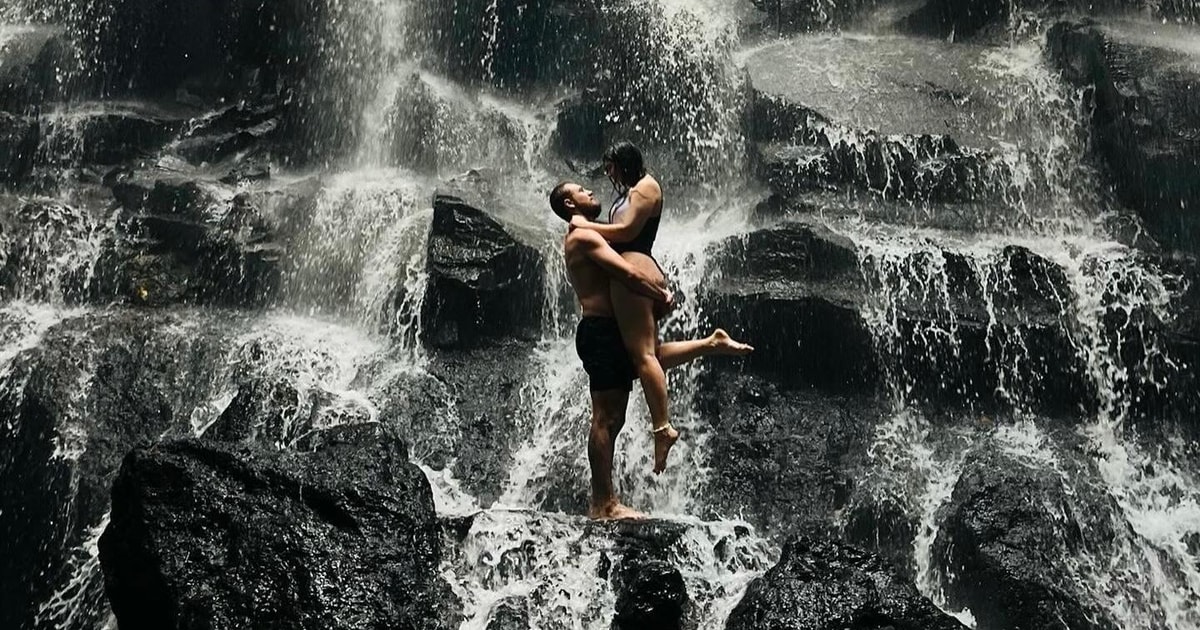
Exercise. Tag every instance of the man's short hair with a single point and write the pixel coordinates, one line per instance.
(558, 201)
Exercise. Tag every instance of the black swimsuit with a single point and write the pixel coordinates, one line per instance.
(643, 243)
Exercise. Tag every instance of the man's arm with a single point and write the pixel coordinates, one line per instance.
(598, 251)
(641, 206)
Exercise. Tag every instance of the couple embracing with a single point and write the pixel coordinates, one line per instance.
(622, 294)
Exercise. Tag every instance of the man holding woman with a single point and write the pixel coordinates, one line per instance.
(617, 338)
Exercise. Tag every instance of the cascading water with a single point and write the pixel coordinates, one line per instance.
(345, 332)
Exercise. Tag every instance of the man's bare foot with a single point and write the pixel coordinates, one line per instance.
(664, 439)
(722, 343)
(615, 512)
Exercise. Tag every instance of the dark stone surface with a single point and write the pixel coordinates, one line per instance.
(545, 42)
(649, 587)
(800, 150)
(177, 243)
(782, 458)
(510, 614)
(18, 147)
(821, 584)
(210, 536)
(1009, 529)
(1143, 83)
(105, 134)
(94, 388)
(235, 132)
(484, 282)
(29, 62)
(803, 274)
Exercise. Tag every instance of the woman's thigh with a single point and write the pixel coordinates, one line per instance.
(635, 312)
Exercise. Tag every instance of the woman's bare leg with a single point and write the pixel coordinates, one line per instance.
(676, 353)
(635, 317)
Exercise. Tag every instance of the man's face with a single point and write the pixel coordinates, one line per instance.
(582, 201)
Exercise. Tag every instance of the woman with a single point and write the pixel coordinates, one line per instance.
(631, 230)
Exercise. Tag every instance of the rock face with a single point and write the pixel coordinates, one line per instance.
(802, 272)
(31, 57)
(210, 536)
(181, 243)
(783, 458)
(18, 147)
(650, 589)
(96, 387)
(483, 282)
(1009, 533)
(1143, 79)
(820, 585)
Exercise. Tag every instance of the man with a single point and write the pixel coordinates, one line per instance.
(591, 265)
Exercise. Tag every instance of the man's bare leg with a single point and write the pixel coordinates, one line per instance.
(676, 353)
(608, 417)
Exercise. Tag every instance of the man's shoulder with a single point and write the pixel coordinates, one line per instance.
(581, 238)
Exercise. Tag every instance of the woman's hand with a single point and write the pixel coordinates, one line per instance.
(578, 221)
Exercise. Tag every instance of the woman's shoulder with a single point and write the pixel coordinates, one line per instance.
(649, 187)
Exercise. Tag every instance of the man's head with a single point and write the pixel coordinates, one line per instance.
(569, 199)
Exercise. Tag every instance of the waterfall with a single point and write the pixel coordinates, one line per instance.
(398, 97)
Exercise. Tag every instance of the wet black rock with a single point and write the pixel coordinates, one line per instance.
(545, 42)
(235, 132)
(107, 134)
(94, 388)
(798, 149)
(783, 458)
(18, 148)
(205, 535)
(485, 283)
(1010, 530)
(825, 585)
(650, 589)
(1142, 83)
(818, 293)
(179, 242)
(31, 58)
(510, 614)
(826, 291)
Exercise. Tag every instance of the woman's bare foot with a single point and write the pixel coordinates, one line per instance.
(722, 343)
(664, 439)
(615, 512)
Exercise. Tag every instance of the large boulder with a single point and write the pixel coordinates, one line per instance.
(94, 388)
(484, 282)
(781, 457)
(825, 585)
(18, 148)
(1142, 79)
(649, 586)
(1011, 529)
(212, 536)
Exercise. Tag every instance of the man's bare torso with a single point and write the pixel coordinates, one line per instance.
(588, 279)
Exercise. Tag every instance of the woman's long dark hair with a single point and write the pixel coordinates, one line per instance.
(627, 159)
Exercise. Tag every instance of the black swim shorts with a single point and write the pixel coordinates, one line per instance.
(598, 342)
